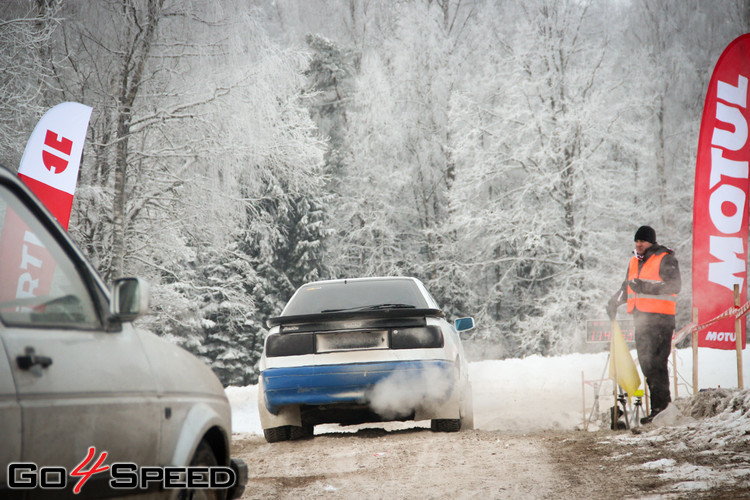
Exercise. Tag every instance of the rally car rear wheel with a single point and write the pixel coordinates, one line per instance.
(276, 434)
(445, 424)
(304, 432)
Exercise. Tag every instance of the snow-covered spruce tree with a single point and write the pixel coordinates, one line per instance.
(331, 83)
(288, 260)
(209, 311)
(225, 296)
(232, 281)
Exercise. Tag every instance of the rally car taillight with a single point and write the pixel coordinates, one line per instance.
(416, 338)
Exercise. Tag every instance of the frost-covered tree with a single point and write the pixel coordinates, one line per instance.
(268, 187)
(129, 61)
(26, 30)
(393, 196)
(198, 127)
(675, 45)
(534, 175)
(502, 151)
(207, 307)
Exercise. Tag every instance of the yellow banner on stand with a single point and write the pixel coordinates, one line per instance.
(621, 365)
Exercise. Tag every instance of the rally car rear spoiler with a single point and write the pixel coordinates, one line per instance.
(379, 314)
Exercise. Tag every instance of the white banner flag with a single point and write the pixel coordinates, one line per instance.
(52, 157)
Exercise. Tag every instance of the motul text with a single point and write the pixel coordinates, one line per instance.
(726, 204)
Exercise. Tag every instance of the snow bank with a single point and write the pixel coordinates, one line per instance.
(244, 403)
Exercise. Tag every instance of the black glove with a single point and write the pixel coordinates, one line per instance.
(612, 308)
(636, 285)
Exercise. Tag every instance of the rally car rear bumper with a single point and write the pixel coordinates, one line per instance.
(346, 383)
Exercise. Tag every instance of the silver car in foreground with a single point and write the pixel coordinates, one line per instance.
(82, 390)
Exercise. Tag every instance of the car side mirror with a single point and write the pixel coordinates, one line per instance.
(130, 299)
(464, 324)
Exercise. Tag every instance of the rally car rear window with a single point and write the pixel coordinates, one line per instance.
(352, 295)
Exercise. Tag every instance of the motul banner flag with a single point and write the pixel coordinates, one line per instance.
(53, 154)
(720, 207)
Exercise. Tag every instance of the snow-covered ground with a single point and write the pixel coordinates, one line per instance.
(536, 393)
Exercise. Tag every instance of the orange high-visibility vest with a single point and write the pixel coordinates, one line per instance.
(662, 304)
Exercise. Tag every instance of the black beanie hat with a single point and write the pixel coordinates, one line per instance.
(645, 233)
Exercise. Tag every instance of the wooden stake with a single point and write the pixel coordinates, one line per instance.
(738, 337)
(694, 335)
(614, 365)
(674, 370)
(583, 399)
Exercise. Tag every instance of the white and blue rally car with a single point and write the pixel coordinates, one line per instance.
(353, 351)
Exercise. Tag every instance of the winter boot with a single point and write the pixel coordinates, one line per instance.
(647, 419)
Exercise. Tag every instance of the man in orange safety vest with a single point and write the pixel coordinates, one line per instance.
(650, 290)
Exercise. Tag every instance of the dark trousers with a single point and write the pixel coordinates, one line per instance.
(653, 342)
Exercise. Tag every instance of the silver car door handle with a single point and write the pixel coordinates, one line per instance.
(30, 359)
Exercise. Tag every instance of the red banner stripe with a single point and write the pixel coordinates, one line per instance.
(58, 202)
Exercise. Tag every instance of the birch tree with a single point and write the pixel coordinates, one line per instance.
(110, 56)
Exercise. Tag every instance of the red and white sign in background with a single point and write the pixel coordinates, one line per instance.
(49, 167)
(53, 155)
(720, 207)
